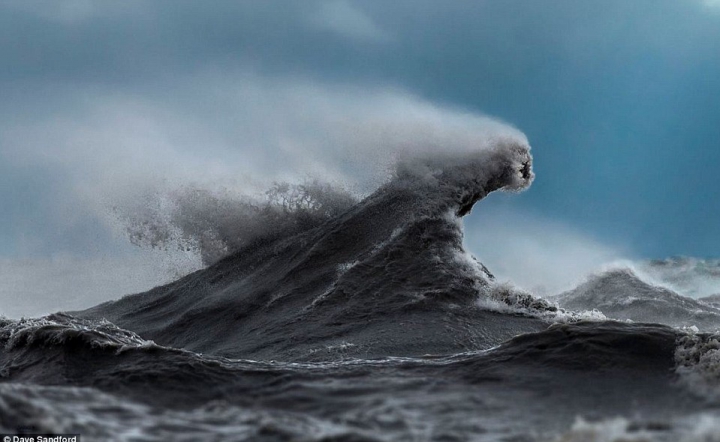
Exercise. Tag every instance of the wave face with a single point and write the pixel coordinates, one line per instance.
(366, 320)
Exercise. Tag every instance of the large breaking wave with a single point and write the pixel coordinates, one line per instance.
(350, 274)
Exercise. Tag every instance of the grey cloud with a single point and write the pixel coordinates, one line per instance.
(470, 44)
(119, 44)
(341, 17)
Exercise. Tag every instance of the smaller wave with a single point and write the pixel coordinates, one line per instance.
(59, 329)
(624, 294)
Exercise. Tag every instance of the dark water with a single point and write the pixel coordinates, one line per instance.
(373, 323)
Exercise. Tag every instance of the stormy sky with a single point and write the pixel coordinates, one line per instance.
(104, 102)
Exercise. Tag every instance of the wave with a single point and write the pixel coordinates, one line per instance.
(62, 328)
(621, 293)
(388, 276)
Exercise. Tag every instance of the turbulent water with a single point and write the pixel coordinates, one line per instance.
(347, 320)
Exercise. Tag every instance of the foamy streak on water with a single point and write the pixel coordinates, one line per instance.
(100, 416)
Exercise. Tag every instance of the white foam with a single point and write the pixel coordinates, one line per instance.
(506, 298)
(609, 430)
(697, 359)
(701, 427)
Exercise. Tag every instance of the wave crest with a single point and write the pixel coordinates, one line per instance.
(60, 328)
(218, 224)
